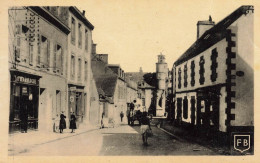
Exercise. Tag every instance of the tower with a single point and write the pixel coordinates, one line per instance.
(162, 76)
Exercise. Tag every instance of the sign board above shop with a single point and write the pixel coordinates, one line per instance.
(24, 79)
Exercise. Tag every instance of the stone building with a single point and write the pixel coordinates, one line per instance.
(214, 79)
(49, 63)
(37, 64)
(79, 44)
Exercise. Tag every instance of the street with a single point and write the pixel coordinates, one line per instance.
(119, 141)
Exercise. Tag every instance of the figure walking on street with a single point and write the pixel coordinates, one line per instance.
(121, 116)
(145, 126)
(62, 122)
(73, 125)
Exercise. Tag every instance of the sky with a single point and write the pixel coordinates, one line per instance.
(134, 32)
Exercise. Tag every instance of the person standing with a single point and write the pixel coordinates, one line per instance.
(73, 122)
(145, 126)
(121, 116)
(62, 122)
(24, 119)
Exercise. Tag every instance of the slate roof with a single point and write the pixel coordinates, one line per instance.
(213, 35)
(104, 77)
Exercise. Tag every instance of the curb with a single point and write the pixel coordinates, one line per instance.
(174, 136)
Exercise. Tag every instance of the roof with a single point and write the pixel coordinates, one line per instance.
(145, 85)
(81, 17)
(41, 11)
(213, 35)
(105, 78)
(107, 83)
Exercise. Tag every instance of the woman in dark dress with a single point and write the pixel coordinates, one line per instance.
(62, 122)
(73, 122)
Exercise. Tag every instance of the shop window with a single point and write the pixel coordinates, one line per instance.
(86, 40)
(202, 70)
(72, 67)
(214, 65)
(179, 78)
(79, 36)
(185, 76)
(192, 74)
(185, 107)
(73, 32)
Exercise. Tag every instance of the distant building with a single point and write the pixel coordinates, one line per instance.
(162, 85)
(214, 79)
(111, 87)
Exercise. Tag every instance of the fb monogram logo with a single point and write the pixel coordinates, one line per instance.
(242, 142)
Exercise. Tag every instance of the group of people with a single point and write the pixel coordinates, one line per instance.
(61, 122)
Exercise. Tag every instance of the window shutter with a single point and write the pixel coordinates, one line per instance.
(17, 48)
(39, 53)
(54, 57)
(61, 61)
(48, 53)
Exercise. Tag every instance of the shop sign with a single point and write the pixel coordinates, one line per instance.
(73, 88)
(27, 80)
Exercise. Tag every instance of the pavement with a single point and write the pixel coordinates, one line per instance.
(184, 134)
(21, 142)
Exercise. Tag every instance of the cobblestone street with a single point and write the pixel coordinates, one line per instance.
(123, 140)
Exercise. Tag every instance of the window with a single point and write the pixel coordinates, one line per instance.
(21, 49)
(185, 76)
(185, 107)
(73, 31)
(45, 51)
(79, 69)
(72, 68)
(86, 40)
(86, 70)
(202, 70)
(143, 101)
(192, 74)
(179, 78)
(58, 102)
(80, 36)
(214, 65)
(58, 58)
(31, 55)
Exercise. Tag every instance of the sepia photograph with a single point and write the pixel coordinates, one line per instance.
(128, 78)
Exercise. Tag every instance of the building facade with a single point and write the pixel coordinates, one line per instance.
(49, 63)
(79, 44)
(37, 57)
(213, 79)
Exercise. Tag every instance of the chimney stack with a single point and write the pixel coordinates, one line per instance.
(203, 26)
(94, 48)
(83, 12)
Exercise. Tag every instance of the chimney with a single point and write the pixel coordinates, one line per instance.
(94, 48)
(83, 12)
(103, 57)
(203, 26)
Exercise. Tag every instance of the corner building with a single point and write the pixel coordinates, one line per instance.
(214, 78)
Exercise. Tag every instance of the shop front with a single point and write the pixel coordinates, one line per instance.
(77, 102)
(24, 99)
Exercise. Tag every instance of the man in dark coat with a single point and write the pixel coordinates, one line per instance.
(62, 122)
(73, 125)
